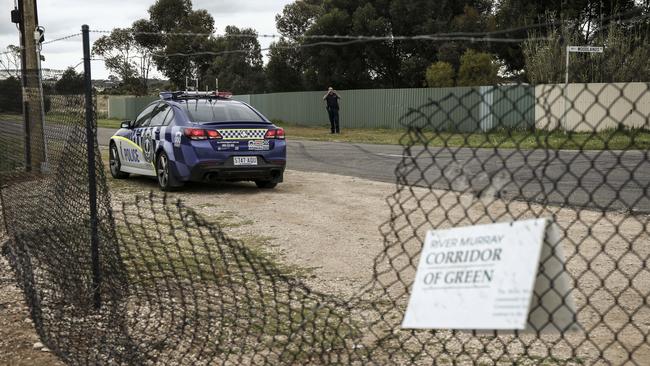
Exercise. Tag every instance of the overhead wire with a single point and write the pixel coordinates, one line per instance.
(346, 40)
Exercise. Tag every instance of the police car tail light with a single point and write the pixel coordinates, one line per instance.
(201, 134)
(212, 134)
(195, 134)
(275, 134)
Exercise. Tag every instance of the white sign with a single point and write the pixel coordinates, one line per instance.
(484, 277)
(585, 49)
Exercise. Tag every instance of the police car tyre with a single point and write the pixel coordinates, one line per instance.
(166, 179)
(268, 184)
(115, 164)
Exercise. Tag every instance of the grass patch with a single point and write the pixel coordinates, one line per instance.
(233, 272)
(109, 123)
(12, 153)
(634, 139)
(11, 117)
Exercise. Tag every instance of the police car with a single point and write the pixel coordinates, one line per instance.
(197, 137)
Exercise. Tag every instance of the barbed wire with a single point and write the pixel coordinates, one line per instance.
(346, 40)
(473, 37)
(488, 36)
(42, 69)
(63, 38)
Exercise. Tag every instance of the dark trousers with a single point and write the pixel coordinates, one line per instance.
(334, 119)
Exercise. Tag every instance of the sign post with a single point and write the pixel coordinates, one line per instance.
(579, 49)
(485, 277)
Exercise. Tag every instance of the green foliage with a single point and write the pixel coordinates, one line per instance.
(625, 58)
(124, 56)
(11, 98)
(201, 56)
(169, 52)
(477, 68)
(284, 69)
(581, 17)
(116, 49)
(376, 64)
(440, 75)
(10, 62)
(239, 72)
(297, 17)
(403, 63)
(71, 82)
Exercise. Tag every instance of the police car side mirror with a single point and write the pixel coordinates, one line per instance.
(126, 124)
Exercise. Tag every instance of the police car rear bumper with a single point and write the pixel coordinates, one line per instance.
(227, 171)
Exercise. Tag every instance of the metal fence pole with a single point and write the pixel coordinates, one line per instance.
(92, 179)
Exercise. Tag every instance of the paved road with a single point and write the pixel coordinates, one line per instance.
(617, 180)
(599, 179)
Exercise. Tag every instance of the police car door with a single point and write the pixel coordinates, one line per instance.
(131, 156)
(152, 135)
(143, 137)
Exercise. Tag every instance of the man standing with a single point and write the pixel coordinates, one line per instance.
(332, 101)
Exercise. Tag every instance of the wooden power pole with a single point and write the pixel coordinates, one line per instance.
(35, 154)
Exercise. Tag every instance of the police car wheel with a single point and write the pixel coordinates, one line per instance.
(268, 184)
(166, 179)
(115, 164)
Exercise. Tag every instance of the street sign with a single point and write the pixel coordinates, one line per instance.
(483, 277)
(590, 49)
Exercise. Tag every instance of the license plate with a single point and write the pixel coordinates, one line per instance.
(245, 160)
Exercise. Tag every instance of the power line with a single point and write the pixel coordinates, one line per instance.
(444, 36)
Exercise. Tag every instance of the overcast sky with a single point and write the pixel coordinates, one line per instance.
(64, 17)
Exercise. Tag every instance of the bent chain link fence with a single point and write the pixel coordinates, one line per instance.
(176, 289)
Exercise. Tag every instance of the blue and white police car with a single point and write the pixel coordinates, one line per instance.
(197, 137)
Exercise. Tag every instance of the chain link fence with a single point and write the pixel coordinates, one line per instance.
(176, 290)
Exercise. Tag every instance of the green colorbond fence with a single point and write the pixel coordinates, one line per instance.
(465, 109)
(127, 107)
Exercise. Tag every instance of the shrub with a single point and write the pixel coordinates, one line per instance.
(477, 68)
(440, 75)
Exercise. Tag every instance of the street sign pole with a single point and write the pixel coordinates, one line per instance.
(580, 49)
(569, 49)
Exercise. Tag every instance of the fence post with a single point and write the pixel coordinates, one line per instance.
(92, 179)
(486, 120)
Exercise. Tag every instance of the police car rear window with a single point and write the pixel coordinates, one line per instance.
(211, 111)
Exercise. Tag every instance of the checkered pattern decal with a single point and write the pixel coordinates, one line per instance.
(243, 133)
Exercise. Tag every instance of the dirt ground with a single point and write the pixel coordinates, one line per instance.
(323, 226)
(326, 228)
(19, 344)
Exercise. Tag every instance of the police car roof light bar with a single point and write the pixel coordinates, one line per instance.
(169, 95)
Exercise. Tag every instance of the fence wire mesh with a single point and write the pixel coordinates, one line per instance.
(175, 289)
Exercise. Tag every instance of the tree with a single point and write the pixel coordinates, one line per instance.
(440, 75)
(178, 56)
(239, 67)
(625, 58)
(285, 67)
(581, 18)
(11, 98)
(298, 17)
(477, 68)
(117, 49)
(71, 82)
(10, 62)
(125, 57)
(377, 63)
